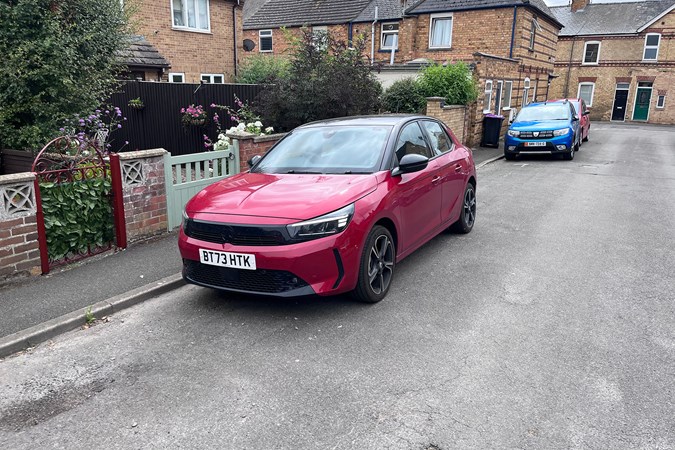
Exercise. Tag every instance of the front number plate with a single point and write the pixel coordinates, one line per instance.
(535, 144)
(227, 259)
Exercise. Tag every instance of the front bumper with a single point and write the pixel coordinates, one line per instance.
(559, 144)
(325, 266)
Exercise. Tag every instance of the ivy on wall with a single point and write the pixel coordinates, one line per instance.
(78, 216)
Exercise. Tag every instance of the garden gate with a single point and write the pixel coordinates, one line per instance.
(80, 210)
(186, 175)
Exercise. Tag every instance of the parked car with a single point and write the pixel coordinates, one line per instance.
(551, 127)
(583, 113)
(331, 208)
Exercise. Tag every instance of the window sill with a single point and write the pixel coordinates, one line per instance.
(438, 49)
(191, 30)
(650, 60)
(590, 64)
(265, 51)
(387, 50)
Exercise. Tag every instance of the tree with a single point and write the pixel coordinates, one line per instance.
(59, 58)
(326, 79)
(455, 82)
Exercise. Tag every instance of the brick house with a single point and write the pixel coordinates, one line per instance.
(619, 57)
(511, 44)
(197, 40)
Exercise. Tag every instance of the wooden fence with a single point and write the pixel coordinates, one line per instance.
(158, 124)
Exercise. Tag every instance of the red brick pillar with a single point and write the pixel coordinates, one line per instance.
(251, 145)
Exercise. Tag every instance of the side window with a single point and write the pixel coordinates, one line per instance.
(411, 141)
(440, 142)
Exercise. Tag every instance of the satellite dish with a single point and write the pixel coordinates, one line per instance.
(248, 45)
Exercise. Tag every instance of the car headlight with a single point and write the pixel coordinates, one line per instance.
(561, 132)
(326, 225)
(513, 133)
(185, 221)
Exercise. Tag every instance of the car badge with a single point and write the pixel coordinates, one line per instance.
(535, 134)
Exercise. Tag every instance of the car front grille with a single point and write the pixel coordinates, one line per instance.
(222, 233)
(262, 281)
(539, 134)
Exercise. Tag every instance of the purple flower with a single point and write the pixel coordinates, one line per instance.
(62, 130)
(107, 112)
(119, 125)
(126, 142)
(213, 105)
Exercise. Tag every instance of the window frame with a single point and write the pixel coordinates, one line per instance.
(534, 91)
(181, 74)
(487, 105)
(498, 96)
(660, 98)
(510, 84)
(586, 83)
(395, 158)
(186, 27)
(646, 47)
(533, 33)
(525, 100)
(597, 59)
(211, 75)
(433, 17)
(383, 32)
(261, 37)
(430, 141)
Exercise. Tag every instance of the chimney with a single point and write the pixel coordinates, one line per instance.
(579, 4)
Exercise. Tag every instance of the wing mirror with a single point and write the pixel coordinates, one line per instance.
(575, 117)
(253, 161)
(411, 163)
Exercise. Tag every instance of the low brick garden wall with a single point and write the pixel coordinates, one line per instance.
(454, 116)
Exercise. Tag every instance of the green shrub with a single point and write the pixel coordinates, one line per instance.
(454, 82)
(326, 79)
(262, 69)
(404, 96)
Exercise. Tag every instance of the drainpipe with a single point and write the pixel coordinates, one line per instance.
(350, 34)
(513, 31)
(569, 69)
(234, 33)
(372, 38)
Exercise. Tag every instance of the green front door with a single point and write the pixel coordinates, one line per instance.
(641, 112)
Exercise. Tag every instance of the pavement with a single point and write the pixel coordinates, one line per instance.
(36, 309)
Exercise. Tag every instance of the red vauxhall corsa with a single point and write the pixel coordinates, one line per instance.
(331, 208)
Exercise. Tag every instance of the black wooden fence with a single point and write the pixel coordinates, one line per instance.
(158, 124)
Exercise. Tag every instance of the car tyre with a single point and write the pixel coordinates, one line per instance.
(509, 156)
(467, 218)
(586, 137)
(376, 271)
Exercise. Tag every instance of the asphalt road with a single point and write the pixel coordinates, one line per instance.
(552, 325)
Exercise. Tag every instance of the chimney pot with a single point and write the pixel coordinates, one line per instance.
(579, 4)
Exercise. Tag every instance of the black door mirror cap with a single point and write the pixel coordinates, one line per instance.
(410, 163)
(575, 117)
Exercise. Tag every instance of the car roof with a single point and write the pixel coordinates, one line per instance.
(546, 103)
(561, 100)
(382, 119)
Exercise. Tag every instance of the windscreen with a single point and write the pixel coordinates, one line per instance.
(329, 149)
(544, 112)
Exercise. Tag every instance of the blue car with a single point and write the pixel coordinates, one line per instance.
(544, 128)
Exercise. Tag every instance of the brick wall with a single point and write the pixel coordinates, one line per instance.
(251, 145)
(144, 193)
(193, 52)
(19, 251)
(454, 116)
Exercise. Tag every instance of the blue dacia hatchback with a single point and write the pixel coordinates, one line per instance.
(544, 127)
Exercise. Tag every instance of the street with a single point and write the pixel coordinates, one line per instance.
(551, 325)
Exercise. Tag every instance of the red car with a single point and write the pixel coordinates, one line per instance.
(584, 117)
(331, 208)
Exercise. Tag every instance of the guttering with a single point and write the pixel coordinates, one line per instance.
(513, 30)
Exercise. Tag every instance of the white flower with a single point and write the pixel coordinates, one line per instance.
(221, 136)
(269, 130)
(258, 123)
(249, 125)
(241, 126)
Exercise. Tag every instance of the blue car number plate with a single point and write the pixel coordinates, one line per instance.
(535, 144)
(227, 259)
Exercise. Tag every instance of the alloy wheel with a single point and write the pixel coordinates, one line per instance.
(380, 264)
(470, 207)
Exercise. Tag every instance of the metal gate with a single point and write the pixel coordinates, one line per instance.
(78, 204)
(188, 174)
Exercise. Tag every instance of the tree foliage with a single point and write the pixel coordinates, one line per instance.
(326, 79)
(59, 58)
(262, 69)
(453, 81)
(404, 96)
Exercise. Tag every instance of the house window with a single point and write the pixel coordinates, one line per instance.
(586, 92)
(440, 31)
(508, 88)
(534, 25)
(488, 96)
(591, 53)
(320, 36)
(661, 101)
(389, 39)
(498, 96)
(265, 40)
(213, 78)
(526, 92)
(534, 91)
(651, 52)
(176, 77)
(191, 14)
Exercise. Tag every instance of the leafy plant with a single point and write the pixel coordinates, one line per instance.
(455, 82)
(262, 69)
(78, 214)
(404, 96)
(58, 58)
(89, 316)
(326, 79)
(194, 115)
(136, 103)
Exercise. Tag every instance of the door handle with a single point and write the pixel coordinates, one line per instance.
(436, 179)
(458, 168)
